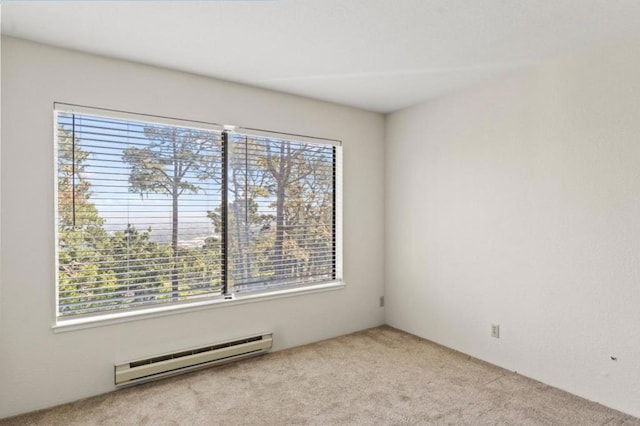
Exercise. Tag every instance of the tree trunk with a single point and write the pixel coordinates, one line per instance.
(174, 247)
(174, 220)
(240, 241)
(281, 181)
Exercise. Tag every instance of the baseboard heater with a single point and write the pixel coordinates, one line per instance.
(157, 367)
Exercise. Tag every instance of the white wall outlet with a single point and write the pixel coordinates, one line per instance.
(495, 330)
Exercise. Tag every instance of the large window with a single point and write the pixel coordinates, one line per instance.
(157, 211)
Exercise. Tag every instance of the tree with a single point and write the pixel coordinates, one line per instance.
(137, 264)
(74, 208)
(82, 240)
(247, 183)
(310, 210)
(245, 223)
(281, 183)
(287, 164)
(174, 161)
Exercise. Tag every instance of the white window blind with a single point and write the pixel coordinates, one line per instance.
(133, 205)
(282, 212)
(157, 211)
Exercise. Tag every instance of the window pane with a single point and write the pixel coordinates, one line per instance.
(136, 213)
(281, 213)
(141, 219)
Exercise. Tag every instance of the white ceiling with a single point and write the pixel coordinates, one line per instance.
(380, 55)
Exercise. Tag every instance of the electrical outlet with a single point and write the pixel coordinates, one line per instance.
(381, 301)
(495, 331)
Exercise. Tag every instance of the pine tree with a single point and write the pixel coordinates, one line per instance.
(82, 240)
(174, 162)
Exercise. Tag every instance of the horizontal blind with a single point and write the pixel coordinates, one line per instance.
(282, 212)
(138, 213)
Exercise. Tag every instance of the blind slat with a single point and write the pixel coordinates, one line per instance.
(147, 291)
(131, 191)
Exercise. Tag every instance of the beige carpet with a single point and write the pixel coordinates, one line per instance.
(378, 376)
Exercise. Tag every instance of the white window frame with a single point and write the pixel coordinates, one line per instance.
(61, 324)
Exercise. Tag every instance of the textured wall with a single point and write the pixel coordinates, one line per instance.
(40, 368)
(518, 203)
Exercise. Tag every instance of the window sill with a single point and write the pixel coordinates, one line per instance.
(120, 317)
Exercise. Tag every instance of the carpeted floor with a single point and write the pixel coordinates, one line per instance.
(377, 376)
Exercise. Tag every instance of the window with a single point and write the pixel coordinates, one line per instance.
(154, 211)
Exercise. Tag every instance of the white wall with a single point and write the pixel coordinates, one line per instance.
(0, 175)
(40, 368)
(518, 203)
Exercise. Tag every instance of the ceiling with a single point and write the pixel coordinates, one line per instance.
(380, 55)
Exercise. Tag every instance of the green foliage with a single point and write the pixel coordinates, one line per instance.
(280, 221)
(138, 264)
(82, 240)
(102, 271)
(174, 162)
(288, 239)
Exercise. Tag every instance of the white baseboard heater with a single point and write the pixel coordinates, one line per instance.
(157, 367)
